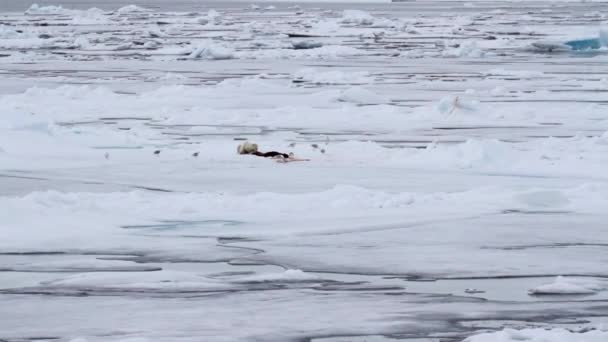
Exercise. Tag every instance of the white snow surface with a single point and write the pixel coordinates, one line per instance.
(540, 335)
(568, 286)
(439, 152)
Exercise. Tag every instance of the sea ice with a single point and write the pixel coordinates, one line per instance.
(357, 17)
(540, 335)
(567, 286)
(121, 192)
(212, 51)
(360, 95)
(131, 9)
(286, 276)
(331, 77)
(305, 44)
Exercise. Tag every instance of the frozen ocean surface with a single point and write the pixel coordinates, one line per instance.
(456, 188)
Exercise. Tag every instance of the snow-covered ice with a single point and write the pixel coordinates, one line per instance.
(455, 186)
(568, 286)
(540, 335)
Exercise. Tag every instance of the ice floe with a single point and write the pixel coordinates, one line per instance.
(540, 335)
(568, 286)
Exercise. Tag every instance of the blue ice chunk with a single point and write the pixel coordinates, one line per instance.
(585, 44)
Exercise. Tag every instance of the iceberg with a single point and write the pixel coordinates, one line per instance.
(576, 44)
(584, 44)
